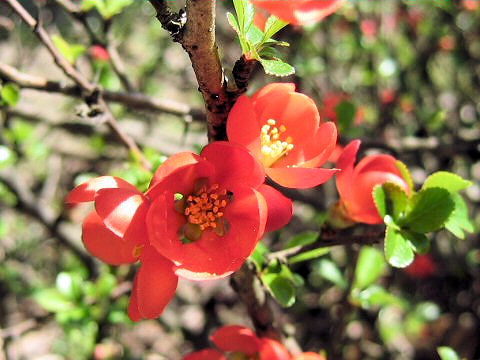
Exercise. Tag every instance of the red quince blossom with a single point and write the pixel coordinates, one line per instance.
(369, 28)
(422, 267)
(355, 183)
(282, 129)
(201, 218)
(299, 12)
(242, 342)
(99, 53)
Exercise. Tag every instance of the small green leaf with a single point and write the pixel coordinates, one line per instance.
(254, 35)
(303, 239)
(273, 26)
(52, 300)
(281, 288)
(377, 296)
(459, 222)
(330, 271)
(398, 251)
(10, 94)
(420, 242)
(277, 67)
(309, 255)
(258, 256)
(232, 20)
(346, 112)
(70, 51)
(370, 266)
(88, 5)
(405, 173)
(245, 14)
(115, 7)
(447, 353)
(431, 208)
(446, 180)
(7, 156)
(390, 199)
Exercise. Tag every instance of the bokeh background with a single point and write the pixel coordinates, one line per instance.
(408, 76)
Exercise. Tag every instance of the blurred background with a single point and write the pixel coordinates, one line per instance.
(403, 76)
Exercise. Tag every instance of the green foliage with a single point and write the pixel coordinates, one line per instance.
(370, 267)
(447, 353)
(258, 44)
(9, 94)
(436, 206)
(106, 8)
(71, 52)
(281, 283)
(303, 239)
(309, 255)
(376, 296)
(346, 112)
(328, 270)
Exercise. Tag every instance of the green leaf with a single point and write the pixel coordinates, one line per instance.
(273, 26)
(346, 111)
(7, 157)
(430, 209)
(390, 199)
(398, 251)
(254, 35)
(88, 5)
(370, 266)
(232, 20)
(446, 180)
(70, 51)
(420, 243)
(309, 255)
(281, 288)
(459, 222)
(10, 94)
(405, 173)
(330, 271)
(447, 353)
(303, 239)
(245, 14)
(377, 296)
(114, 7)
(277, 67)
(258, 256)
(53, 300)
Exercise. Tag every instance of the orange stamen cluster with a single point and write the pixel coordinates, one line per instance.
(206, 206)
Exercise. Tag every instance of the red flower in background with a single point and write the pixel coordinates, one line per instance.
(201, 218)
(355, 183)
(282, 129)
(99, 53)
(299, 12)
(244, 342)
(369, 28)
(422, 267)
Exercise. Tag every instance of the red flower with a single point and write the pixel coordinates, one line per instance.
(99, 53)
(201, 218)
(238, 339)
(471, 5)
(422, 267)
(282, 129)
(369, 28)
(355, 184)
(299, 12)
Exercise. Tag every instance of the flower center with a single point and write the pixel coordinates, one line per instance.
(273, 147)
(203, 210)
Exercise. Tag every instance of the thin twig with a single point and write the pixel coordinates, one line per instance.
(92, 93)
(136, 101)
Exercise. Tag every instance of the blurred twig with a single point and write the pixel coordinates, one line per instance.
(92, 93)
(137, 101)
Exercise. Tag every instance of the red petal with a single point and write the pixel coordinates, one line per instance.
(236, 338)
(264, 96)
(133, 312)
(280, 208)
(322, 145)
(381, 162)
(173, 163)
(181, 180)
(104, 244)
(346, 163)
(298, 113)
(156, 284)
(86, 192)
(233, 165)
(273, 350)
(242, 125)
(300, 178)
(207, 354)
(118, 207)
(212, 254)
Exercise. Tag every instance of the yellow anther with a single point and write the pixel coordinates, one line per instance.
(273, 147)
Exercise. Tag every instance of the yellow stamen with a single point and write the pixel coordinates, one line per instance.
(273, 148)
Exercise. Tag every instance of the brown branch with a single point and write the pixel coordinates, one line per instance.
(92, 94)
(136, 101)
